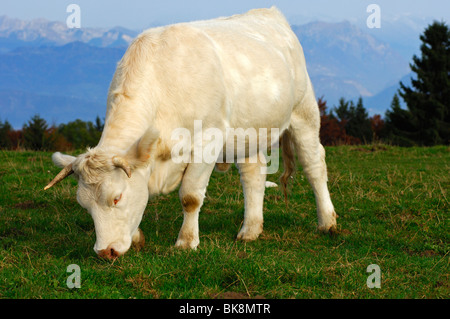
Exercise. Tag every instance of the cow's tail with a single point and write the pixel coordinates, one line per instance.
(287, 152)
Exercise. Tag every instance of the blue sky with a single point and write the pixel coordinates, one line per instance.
(140, 14)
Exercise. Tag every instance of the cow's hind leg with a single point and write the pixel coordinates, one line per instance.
(253, 178)
(192, 193)
(305, 134)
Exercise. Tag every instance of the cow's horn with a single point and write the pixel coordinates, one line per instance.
(66, 171)
(123, 164)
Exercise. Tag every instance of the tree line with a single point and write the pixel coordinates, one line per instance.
(37, 135)
(424, 122)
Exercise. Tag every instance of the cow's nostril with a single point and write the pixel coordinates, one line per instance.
(108, 253)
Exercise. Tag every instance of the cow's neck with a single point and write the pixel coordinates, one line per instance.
(118, 141)
(123, 129)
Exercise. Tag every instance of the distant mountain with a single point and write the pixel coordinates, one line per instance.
(73, 78)
(63, 74)
(344, 61)
(379, 103)
(402, 32)
(16, 33)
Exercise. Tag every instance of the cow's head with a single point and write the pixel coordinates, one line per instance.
(113, 187)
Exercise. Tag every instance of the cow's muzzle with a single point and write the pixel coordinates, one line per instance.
(109, 253)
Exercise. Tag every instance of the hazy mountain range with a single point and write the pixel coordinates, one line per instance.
(17, 33)
(63, 74)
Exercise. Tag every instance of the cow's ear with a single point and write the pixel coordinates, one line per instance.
(62, 160)
(140, 152)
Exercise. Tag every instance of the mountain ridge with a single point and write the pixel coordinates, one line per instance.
(42, 31)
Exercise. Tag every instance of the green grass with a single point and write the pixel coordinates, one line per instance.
(393, 208)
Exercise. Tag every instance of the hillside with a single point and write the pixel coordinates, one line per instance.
(392, 204)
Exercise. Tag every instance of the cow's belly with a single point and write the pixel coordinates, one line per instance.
(241, 144)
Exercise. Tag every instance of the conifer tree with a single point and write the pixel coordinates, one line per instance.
(398, 124)
(36, 135)
(5, 141)
(354, 119)
(428, 99)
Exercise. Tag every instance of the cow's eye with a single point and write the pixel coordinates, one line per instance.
(117, 199)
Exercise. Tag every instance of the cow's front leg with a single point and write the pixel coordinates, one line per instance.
(192, 193)
(253, 178)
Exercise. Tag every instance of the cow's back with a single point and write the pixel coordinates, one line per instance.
(263, 66)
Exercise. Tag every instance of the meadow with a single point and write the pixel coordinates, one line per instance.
(393, 208)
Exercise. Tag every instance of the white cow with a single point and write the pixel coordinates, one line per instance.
(244, 71)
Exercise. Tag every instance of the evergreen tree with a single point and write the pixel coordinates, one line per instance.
(428, 99)
(398, 124)
(343, 111)
(36, 135)
(5, 141)
(359, 125)
(354, 119)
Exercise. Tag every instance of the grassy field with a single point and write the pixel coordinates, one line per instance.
(393, 208)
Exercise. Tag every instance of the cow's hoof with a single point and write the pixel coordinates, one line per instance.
(138, 240)
(184, 244)
(249, 234)
(327, 224)
(331, 230)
